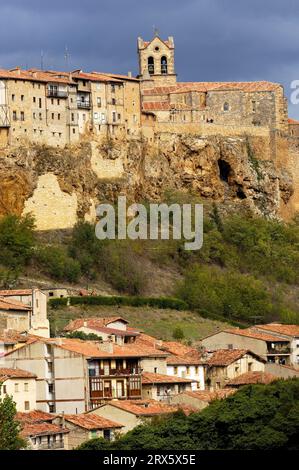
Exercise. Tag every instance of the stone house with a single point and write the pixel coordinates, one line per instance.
(83, 427)
(132, 413)
(163, 387)
(21, 386)
(38, 429)
(289, 333)
(35, 302)
(223, 365)
(274, 348)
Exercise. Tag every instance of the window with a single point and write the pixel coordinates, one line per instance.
(150, 65)
(16, 387)
(52, 115)
(12, 97)
(50, 367)
(34, 115)
(58, 116)
(249, 366)
(253, 106)
(40, 102)
(27, 405)
(164, 65)
(114, 116)
(4, 389)
(26, 387)
(51, 388)
(175, 370)
(113, 101)
(51, 408)
(155, 370)
(73, 117)
(58, 102)
(119, 117)
(22, 116)
(113, 88)
(22, 97)
(74, 131)
(99, 102)
(226, 107)
(40, 116)
(187, 370)
(14, 115)
(34, 99)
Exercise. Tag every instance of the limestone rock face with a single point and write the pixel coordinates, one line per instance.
(68, 183)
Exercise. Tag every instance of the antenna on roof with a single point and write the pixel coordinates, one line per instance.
(156, 31)
(66, 57)
(42, 60)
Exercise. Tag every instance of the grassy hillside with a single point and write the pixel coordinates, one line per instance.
(153, 321)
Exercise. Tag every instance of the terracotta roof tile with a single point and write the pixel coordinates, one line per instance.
(15, 292)
(147, 407)
(6, 304)
(94, 322)
(253, 378)
(35, 416)
(209, 396)
(252, 333)
(152, 378)
(224, 357)
(7, 373)
(33, 75)
(91, 421)
(42, 429)
(288, 330)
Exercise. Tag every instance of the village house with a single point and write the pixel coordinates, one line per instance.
(21, 386)
(273, 348)
(200, 399)
(133, 413)
(34, 302)
(38, 430)
(96, 371)
(163, 387)
(223, 365)
(83, 427)
(110, 328)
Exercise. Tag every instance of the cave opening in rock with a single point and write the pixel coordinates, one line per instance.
(240, 193)
(224, 170)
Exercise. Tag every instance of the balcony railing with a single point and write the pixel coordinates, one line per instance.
(84, 104)
(56, 93)
(285, 350)
(51, 445)
(118, 372)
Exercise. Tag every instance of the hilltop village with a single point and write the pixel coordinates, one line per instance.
(68, 390)
(229, 141)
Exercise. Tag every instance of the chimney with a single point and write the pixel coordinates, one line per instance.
(85, 323)
(130, 74)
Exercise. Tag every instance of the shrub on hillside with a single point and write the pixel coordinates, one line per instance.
(56, 263)
(16, 240)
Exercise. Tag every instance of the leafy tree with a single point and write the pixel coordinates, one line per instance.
(54, 261)
(84, 336)
(9, 427)
(178, 334)
(16, 240)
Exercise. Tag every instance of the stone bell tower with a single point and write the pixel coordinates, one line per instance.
(156, 62)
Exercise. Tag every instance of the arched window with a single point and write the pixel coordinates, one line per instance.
(226, 107)
(164, 65)
(151, 65)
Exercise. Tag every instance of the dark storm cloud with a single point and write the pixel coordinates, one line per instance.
(215, 39)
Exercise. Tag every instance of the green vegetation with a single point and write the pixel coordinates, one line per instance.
(84, 336)
(257, 417)
(9, 427)
(178, 334)
(16, 241)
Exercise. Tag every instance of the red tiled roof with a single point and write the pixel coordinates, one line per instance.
(288, 330)
(152, 378)
(252, 333)
(14, 292)
(146, 407)
(35, 416)
(225, 357)
(194, 359)
(42, 429)
(148, 340)
(117, 76)
(293, 121)
(254, 377)
(6, 304)
(33, 75)
(209, 396)
(213, 86)
(92, 421)
(7, 373)
(94, 322)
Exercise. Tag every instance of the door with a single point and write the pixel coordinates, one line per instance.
(120, 389)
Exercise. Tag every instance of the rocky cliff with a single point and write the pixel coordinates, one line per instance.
(60, 186)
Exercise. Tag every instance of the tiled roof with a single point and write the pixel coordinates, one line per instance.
(7, 373)
(33, 75)
(225, 357)
(188, 359)
(288, 330)
(147, 340)
(15, 292)
(91, 421)
(145, 407)
(42, 429)
(94, 77)
(293, 121)
(253, 378)
(252, 333)
(6, 304)
(35, 416)
(117, 76)
(209, 396)
(213, 86)
(156, 106)
(179, 349)
(152, 378)
(94, 322)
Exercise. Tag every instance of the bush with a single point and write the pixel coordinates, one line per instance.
(178, 334)
(56, 263)
(16, 240)
(84, 336)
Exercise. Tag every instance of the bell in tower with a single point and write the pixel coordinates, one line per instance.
(156, 61)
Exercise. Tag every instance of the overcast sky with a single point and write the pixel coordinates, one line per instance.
(216, 40)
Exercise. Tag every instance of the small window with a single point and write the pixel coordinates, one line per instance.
(22, 97)
(27, 405)
(99, 102)
(14, 115)
(40, 102)
(253, 106)
(16, 387)
(26, 387)
(226, 107)
(22, 116)
(164, 65)
(12, 97)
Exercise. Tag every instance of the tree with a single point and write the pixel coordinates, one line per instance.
(9, 427)
(178, 334)
(84, 336)
(16, 240)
